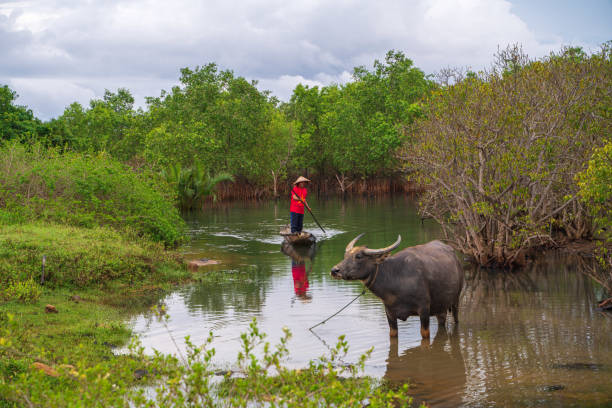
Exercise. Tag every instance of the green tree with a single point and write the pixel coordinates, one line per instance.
(109, 124)
(497, 150)
(595, 184)
(366, 121)
(274, 152)
(311, 145)
(18, 122)
(214, 118)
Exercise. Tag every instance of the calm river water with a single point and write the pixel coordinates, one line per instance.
(529, 338)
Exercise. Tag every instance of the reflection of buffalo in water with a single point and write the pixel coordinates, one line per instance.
(436, 372)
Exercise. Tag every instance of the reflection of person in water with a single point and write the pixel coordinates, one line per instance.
(300, 278)
(298, 268)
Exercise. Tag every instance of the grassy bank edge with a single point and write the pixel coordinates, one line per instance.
(95, 278)
(66, 357)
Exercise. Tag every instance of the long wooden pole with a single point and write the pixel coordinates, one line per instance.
(305, 206)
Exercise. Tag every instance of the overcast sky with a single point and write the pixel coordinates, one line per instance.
(55, 52)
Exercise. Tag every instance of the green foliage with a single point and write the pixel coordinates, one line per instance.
(214, 118)
(224, 123)
(595, 184)
(306, 108)
(17, 122)
(497, 150)
(84, 190)
(357, 129)
(23, 291)
(193, 185)
(110, 125)
(75, 257)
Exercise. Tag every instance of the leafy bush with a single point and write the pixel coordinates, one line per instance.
(215, 118)
(26, 291)
(595, 184)
(84, 190)
(17, 122)
(193, 185)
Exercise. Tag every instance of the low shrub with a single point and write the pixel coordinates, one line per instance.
(85, 190)
(78, 257)
(26, 291)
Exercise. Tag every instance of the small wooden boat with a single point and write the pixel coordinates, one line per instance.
(303, 238)
(299, 253)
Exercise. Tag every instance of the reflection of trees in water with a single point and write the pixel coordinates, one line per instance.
(600, 273)
(554, 275)
(436, 372)
(518, 324)
(246, 292)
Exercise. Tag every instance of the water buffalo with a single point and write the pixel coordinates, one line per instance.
(423, 280)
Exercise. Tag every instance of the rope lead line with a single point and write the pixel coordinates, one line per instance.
(347, 305)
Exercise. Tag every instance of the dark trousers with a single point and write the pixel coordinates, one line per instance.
(297, 222)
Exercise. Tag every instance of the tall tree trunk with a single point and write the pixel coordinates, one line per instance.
(275, 183)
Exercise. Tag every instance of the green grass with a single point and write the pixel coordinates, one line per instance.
(87, 329)
(114, 274)
(82, 334)
(84, 257)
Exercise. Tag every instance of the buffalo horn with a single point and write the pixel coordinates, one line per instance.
(381, 251)
(352, 243)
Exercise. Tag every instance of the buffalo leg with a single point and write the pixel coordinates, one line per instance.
(455, 310)
(441, 321)
(425, 325)
(392, 323)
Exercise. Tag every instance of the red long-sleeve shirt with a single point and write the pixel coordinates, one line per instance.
(296, 205)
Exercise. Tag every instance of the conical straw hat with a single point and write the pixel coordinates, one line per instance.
(300, 179)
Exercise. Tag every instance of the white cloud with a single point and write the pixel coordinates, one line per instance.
(142, 44)
(44, 95)
(48, 97)
(283, 86)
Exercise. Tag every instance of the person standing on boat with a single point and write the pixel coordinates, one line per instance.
(298, 199)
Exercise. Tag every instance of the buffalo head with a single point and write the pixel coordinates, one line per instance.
(359, 262)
